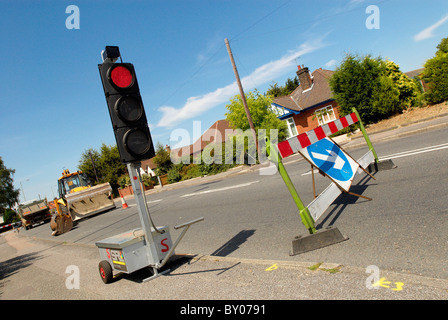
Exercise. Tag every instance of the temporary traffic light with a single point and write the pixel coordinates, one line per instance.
(126, 111)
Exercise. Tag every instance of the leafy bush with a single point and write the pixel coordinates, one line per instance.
(147, 180)
(124, 181)
(174, 174)
(190, 171)
(375, 87)
(10, 216)
(436, 76)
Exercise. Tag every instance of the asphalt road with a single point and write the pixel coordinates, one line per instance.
(252, 216)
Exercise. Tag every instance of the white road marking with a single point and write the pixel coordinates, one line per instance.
(220, 189)
(153, 201)
(309, 172)
(414, 152)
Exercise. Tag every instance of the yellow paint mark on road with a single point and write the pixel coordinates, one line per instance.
(273, 267)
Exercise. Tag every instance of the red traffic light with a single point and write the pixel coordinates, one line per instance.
(121, 76)
(126, 111)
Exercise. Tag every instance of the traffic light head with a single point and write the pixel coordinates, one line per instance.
(126, 111)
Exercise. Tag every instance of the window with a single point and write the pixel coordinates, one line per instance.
(292, 130)
(325, 115)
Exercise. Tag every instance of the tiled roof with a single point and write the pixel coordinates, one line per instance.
(300, 100)
(219, 127)
(414, 73)
(148, 163)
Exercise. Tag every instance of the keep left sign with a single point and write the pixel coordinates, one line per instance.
(333, 161)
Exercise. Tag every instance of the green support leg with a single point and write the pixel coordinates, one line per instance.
(364, 132)
(304, 213)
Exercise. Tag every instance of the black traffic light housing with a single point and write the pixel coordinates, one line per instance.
(126, 111)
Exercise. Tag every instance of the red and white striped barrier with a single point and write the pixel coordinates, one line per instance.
(9, 225)
(294, 144)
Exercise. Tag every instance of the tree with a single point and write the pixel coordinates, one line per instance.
(436, 74)
(162, 160)
(104, 164)
(10, 216)
(353, 85)
(262, 116)
(409, 90)
(90, 165)
(385, 98)
(274, 90)
(375, 87)
(110, 164)
(8, 195)
(290, 85)
(442, 47)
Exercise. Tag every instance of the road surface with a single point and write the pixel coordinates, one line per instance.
(252, 216)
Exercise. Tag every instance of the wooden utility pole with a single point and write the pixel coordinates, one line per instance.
(243, 97)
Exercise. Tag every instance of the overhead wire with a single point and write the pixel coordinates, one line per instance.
(193, 74)
(307, 22)
(261, 19)
(219, 50)
(239, 34)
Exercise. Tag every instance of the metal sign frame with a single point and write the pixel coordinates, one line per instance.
(311, 213)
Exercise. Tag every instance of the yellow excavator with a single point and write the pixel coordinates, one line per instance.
(78, 199)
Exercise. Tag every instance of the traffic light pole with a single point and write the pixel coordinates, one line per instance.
(150, 246)
(145, 218)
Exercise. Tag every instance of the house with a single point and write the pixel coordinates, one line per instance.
(148, 167)
(310, 105)
(218, 131)
(415, 74)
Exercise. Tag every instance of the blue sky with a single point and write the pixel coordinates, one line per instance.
(52, 105)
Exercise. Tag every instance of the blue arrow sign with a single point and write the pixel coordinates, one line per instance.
(329, 158)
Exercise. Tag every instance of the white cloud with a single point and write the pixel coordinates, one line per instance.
(428, 32)
(330, 63)
(355, 2)
(195, 106)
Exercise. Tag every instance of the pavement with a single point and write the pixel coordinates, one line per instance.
(32, 268)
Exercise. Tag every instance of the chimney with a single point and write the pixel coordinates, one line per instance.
(304, 77)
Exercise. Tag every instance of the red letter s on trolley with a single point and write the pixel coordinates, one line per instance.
(165, 245)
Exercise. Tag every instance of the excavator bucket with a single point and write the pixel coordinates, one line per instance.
(61, 222)
(90, 201)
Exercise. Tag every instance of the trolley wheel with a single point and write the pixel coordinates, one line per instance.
(105, 271)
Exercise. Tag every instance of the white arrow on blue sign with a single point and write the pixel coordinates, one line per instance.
(333, 161)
